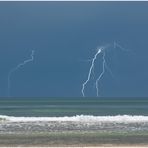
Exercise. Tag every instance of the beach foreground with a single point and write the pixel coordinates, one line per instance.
(79, 131)
(73, 138)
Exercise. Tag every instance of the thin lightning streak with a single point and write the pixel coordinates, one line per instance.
(102, 73)
(90, 70)
(109, 70)
(17, 67)
(119, 46)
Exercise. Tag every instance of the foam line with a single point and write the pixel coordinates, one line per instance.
(80, 118)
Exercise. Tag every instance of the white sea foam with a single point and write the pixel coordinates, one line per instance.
(79, 118)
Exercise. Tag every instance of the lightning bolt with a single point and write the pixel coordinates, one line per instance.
(102, 73)
(17, 67)
(104, 67)
(99, 50)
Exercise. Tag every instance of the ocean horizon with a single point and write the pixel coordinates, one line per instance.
(60, 107)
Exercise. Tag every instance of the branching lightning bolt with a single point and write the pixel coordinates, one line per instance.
(99, 50)
(17, 67)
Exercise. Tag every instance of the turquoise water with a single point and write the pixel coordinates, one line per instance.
(55, 107)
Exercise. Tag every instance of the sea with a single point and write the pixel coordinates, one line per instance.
(60, 107)
(95, 114)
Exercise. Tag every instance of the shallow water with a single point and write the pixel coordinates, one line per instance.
(59, 107)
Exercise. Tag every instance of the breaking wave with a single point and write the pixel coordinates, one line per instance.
(79, 118)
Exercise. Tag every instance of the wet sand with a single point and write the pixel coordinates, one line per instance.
(90, 147)
(75, 138)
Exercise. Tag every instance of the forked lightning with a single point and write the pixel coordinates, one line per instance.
(102, 51)
(18, 67)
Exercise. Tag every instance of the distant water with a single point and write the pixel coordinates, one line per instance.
(59, 107)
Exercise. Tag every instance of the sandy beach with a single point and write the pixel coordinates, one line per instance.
(72, 134)
(90, 147)
(72, 139)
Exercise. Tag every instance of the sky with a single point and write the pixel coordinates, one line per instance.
(64, 36)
